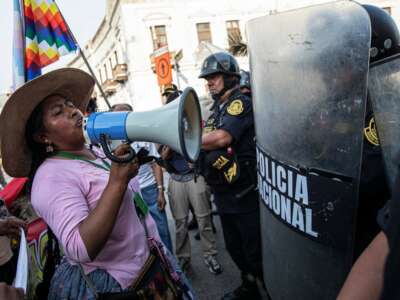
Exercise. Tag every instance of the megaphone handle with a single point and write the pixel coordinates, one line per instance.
(110, 156)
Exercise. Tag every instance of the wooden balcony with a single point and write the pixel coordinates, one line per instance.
(120, 72)
(110, 86)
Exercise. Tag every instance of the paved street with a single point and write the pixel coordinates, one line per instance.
(206, 285)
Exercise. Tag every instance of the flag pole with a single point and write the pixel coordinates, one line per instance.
(94, 76)
(87, 63)
(19, 74)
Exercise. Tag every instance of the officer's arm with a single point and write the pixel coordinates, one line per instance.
(365, 280)
(216, 139)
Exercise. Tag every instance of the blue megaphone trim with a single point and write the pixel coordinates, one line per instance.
(112, 124)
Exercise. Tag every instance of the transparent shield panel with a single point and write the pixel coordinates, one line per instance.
(309, 79)
(384, 92)
(309, 71)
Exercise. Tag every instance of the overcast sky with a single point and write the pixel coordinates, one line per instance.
(83, 17)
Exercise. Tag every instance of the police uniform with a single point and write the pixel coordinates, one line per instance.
(234, 187)
(373, 190)
(385, 43)
(389, 220)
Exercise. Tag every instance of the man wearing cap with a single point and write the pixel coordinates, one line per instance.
(229, 166)
(185, 190)
(170, 93)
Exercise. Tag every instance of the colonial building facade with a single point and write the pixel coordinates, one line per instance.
(120, 53)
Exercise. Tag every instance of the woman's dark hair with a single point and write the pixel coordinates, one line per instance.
(38, 150)
(39, 154)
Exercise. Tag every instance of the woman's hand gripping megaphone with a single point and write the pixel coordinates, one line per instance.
(142, 155)
(124, 172)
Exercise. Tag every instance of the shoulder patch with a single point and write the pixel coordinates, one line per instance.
(235, 108)
(370, 132)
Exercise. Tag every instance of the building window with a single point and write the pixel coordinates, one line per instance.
(159, 36)
(111, 63)
(116, 57)
(105, 72)
(388, 9)
(233, 30)
(101, 76)
(204, 32)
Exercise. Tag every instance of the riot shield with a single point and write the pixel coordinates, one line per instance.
(384, 92)
(309, 76)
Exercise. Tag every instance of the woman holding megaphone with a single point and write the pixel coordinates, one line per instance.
(93, 207)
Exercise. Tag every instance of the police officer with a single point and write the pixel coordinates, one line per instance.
(229, 167)
(374, 191)
(185, 191)
(365, 279)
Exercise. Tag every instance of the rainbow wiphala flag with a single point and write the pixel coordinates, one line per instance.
(47, 36)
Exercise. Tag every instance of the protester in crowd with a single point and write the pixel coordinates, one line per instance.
(91, 205)
(9, 230)
(170, 93)
(185, 190)
(151, 183)
(16, 197)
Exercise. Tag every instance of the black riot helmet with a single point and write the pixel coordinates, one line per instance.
(224, 64)
(385, 37)
(220, 63)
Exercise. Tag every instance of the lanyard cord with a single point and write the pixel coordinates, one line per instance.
(140, 205)
(105, 166)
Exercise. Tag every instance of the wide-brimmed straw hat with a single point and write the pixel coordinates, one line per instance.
(73, 84)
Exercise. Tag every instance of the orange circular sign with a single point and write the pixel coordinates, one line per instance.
(163, 69)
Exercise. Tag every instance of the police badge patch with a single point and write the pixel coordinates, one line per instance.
(209, 127)
(235, 108)
(370, 132)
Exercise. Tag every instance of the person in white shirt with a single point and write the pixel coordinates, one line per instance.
(151, 185)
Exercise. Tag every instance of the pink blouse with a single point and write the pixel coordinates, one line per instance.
(64, 192)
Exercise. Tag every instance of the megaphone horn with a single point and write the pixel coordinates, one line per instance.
(177, 125)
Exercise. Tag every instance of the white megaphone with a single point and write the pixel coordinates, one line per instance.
(177, 125)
